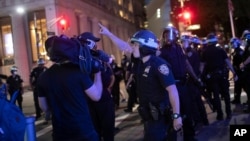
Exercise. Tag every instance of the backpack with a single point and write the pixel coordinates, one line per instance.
(12, 121)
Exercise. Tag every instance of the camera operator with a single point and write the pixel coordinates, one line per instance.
(102, 111)
(63, 87)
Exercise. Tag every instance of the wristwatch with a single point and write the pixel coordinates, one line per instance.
(175, 116)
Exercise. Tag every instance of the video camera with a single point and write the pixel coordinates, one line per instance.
(62, 48)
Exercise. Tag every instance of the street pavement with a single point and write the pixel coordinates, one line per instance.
(130, 128)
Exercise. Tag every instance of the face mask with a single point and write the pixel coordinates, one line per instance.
(90, 44)
(15, 72)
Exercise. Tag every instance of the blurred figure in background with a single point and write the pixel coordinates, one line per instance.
(15, 83)
(237, 57)
(217, 63)
(34, 75)
(245, 67)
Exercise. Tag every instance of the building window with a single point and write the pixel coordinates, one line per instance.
(38, 34)
(6, 42)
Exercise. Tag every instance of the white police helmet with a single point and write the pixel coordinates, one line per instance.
(13, 69)
(146, 38)
(41, 61)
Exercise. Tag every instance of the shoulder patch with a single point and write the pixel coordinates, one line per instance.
(163, 69)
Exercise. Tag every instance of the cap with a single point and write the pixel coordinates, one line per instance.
(88, 35)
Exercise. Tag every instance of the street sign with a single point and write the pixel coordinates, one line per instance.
(194, 27)
(50, 33)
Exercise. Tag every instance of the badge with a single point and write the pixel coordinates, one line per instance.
(164, 69)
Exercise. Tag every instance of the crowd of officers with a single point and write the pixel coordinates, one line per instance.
(169, 79)
(201, 69)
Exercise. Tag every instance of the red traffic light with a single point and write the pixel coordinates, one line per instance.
(186, 15)
(63, 22)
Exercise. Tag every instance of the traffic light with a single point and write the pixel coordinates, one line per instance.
(185, 17)
(63, 23)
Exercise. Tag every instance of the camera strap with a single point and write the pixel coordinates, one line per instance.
(85, 58)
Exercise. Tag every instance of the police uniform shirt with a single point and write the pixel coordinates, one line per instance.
(246, 54)
(63, 86)
(194, 59)
(153, 78)
(175, 56)
(214, 57)
(237, 58)
(35, 73)
(14, 82)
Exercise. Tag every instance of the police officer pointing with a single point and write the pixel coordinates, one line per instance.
(155, 84)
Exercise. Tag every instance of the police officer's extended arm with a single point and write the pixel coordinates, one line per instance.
(122, 45)
(95, 91)
(175, 104)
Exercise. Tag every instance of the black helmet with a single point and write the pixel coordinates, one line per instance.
(146, 38)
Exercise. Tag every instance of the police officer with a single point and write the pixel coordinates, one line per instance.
(14, 83)
(35, 73)
(190, 46)
(245, 67)
(172, 52)
(237, 59)
(216, 61)
(156, 86)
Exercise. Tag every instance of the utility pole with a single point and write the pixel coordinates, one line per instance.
(182, 3)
